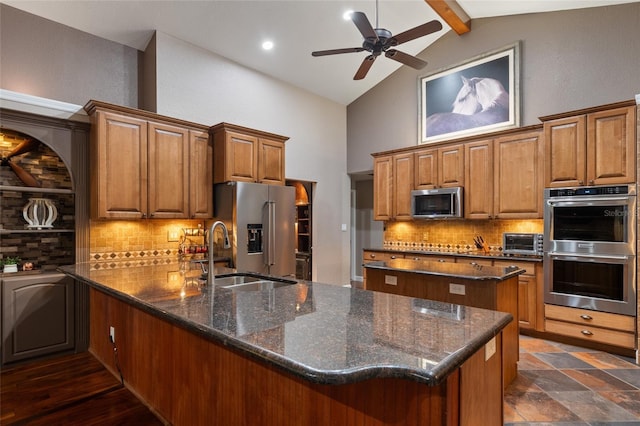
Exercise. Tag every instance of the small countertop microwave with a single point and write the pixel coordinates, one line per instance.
(522, 243)
(437, 203)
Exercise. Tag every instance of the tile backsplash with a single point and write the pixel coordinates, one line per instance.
(456, 234)
(126, 240)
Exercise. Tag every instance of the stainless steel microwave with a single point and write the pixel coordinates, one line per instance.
(437, 203)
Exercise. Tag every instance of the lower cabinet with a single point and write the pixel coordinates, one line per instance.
(600, 327)
(530, 294)
(38, 316)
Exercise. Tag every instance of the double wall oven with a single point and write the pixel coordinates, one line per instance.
(590, 248)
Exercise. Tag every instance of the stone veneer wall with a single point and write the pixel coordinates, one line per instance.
(453, 234)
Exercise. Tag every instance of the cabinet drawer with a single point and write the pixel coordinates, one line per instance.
(431, 258)
(589, 332)
(585, 317)
(376, 256)
(529, 267)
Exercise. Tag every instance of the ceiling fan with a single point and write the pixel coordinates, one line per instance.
(25, 146)
(379, 40)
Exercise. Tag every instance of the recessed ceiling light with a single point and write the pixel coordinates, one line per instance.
(267, 45)
(347, 15)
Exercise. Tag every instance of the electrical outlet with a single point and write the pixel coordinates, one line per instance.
(173, 236)
(425, 236)
(112, 334)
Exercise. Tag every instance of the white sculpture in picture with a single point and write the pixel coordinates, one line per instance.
(40, 213)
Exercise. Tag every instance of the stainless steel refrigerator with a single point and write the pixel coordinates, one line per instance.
(261, 222)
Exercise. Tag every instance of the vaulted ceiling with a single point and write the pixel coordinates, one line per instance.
(236, 29)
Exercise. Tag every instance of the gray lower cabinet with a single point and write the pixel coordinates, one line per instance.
(38, 316)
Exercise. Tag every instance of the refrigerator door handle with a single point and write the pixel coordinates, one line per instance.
(271, 237)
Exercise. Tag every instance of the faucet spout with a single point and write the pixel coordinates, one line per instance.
(225, 235)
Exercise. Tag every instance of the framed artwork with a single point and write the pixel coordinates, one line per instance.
(480, 95)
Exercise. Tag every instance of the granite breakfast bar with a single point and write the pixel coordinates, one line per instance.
(488, 287)
(303, 353)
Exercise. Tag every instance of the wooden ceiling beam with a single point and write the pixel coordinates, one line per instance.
(453, 14)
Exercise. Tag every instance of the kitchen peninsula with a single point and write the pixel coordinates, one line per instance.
(470, 284)
(303, 353)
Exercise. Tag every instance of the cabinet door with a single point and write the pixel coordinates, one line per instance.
(270, 162)
(518, 176)
(565, 152)
(200, 175)
(611, 147)
(451, 166)
(168, 168)
(478, 191)
(382, 188)
(240, 158)
(119, 177)
(402, 185)
(38, 314)
(426, 169)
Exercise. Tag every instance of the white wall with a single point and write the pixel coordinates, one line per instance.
(196, 85)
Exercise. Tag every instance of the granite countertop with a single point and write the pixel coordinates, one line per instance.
(462, 252)
(323, 333)
(447, 269)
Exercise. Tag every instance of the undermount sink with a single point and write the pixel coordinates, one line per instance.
(235, 280)
(261, 285)
(250, 283)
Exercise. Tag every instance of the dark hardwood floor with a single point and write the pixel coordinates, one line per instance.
(73, 389)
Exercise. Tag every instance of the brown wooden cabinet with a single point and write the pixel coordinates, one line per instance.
(439, 167)
(530, 294)
(600, 327)
(518, 170)
(247, 155)
(595, 148)
(478, 190)
(393, 183)
(402, 185)
(148, 166)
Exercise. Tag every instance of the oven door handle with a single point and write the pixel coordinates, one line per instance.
(559, 256)
(588, 202)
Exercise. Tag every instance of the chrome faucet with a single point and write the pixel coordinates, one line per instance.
(225, 235)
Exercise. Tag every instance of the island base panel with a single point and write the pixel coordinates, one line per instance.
(189, 380)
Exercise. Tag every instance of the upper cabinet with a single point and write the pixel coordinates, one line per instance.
(518, 171)
(439, 167)
(247, 155)
(148, 166)
(393, 183)
(595, 148)
(504, 177)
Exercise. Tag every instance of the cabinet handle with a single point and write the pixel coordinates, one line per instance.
(591, 182)
(580, 182)
(441, 260)
(473, 263)
(393, 257)
(586, 317)
(373, 256)
(586, 333)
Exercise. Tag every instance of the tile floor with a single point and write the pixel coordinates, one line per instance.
(562, 385)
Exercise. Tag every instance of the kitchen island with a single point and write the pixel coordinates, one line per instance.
(488, 287)
(303, 353)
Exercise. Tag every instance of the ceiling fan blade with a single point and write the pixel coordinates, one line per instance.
(337, 51)
(364, 26)
(405, 59)
(364, 67)
(24, 176)
(24, 147)
(419, 31)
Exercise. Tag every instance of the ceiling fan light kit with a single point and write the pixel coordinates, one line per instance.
(379, 40)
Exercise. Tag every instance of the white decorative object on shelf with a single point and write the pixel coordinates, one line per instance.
(40, 213)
